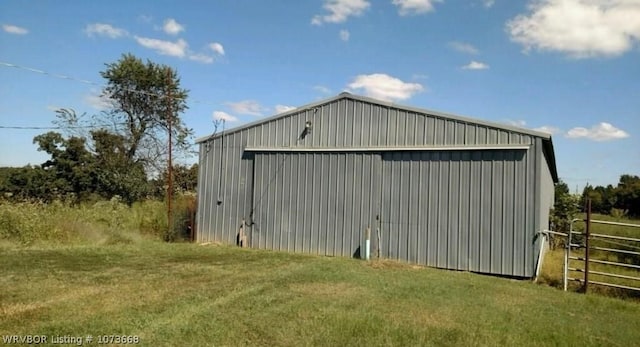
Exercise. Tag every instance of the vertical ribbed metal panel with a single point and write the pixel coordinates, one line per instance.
(224, 188)
(455, 210)
(467, 210)
(544, 197)
(313, 202)
(354, 123)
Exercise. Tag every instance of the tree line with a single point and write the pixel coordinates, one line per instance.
(118, 152)
(623, 199)
(619, 201)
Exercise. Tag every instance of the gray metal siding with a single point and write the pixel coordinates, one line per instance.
(318, 203)
(225, 187)
(498, 237)
(354, 123)
(456, 210)
(546, 197)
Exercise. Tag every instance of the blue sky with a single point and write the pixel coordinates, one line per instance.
(569, 67)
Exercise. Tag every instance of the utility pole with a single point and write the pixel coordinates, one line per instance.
(170, 164)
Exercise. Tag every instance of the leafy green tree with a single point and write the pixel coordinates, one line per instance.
(29, 182)
(564, 210)
(117, 174)
(140, 94)
(106, 170)
(628, 194)
(185, 179)
(596, 197)
(72, 166)
(139, 110)
(622, 199)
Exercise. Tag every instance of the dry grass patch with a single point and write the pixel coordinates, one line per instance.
(392, 264)
(331, 290)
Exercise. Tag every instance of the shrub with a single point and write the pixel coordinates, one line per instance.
(618, 213)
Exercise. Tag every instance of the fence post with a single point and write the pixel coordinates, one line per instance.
(567, 254)
(586, 252)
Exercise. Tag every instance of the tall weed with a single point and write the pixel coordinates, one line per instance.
(102, 222)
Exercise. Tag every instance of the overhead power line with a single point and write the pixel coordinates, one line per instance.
(49, 73)
(70, 78)
(84, 81)
(57, 128)
(191, 144)
(92, 83)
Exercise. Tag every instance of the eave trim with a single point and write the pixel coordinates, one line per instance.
(387, 149)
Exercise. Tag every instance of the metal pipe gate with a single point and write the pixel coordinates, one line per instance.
(631, 247)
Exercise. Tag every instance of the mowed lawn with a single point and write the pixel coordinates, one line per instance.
(186, 294)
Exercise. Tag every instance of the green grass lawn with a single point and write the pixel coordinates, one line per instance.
(185, 294)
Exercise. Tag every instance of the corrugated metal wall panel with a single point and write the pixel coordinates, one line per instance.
(457, 234)
(336, 190)
(375, 125)
(224, 187)
(448, 209)
(545, 197)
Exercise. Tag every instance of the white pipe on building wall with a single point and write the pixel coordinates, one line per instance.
(541, 253)
(367, 245)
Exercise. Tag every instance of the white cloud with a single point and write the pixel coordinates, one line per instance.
(547, 129)
(601, 132)
(413, 7)
(340, 10)
(172, 27)
(13, 29)
(344, 35)
(322, 89)
(385, 87)
(174, 49)
(101, 29)
(219, 115)
(488, 3)
(98, 102)
(463, 47)
(475, 65)
(579, 28)
(216, 48)
(249, 107)
(284, 108)
(202, 58)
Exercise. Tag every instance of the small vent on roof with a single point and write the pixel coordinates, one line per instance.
(345, 93)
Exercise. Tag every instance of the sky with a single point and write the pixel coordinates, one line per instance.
(567, 67)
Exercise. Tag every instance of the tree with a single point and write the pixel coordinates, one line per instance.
(140, 94)
(185, 179)
(628, 194)
(138, 110)
(564, 210)
(28, 182)
(117, 174)
(71, 165)
(593, 194)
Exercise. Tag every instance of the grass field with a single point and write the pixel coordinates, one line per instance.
(185, 294)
